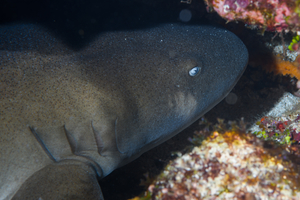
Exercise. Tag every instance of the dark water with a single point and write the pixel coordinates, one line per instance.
(78, 21)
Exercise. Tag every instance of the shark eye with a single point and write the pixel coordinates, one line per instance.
(194, 71)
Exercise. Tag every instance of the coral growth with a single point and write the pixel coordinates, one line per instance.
(295, 44)
(270, 15)
(228, 165)
(285, 130)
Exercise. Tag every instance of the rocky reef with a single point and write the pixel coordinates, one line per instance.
(228, 164)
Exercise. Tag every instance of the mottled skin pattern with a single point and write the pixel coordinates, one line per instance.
(69, 118)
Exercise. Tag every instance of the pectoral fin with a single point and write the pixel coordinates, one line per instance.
(66, 180)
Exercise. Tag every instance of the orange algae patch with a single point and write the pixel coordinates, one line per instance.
(285, 67)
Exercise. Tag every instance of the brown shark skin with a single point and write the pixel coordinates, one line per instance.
(69, 118)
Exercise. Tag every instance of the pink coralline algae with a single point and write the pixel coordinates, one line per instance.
(269, 15)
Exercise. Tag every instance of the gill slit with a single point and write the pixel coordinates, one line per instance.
(42, 144)
(116, 136)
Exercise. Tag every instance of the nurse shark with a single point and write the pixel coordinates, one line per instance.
(69, 118)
